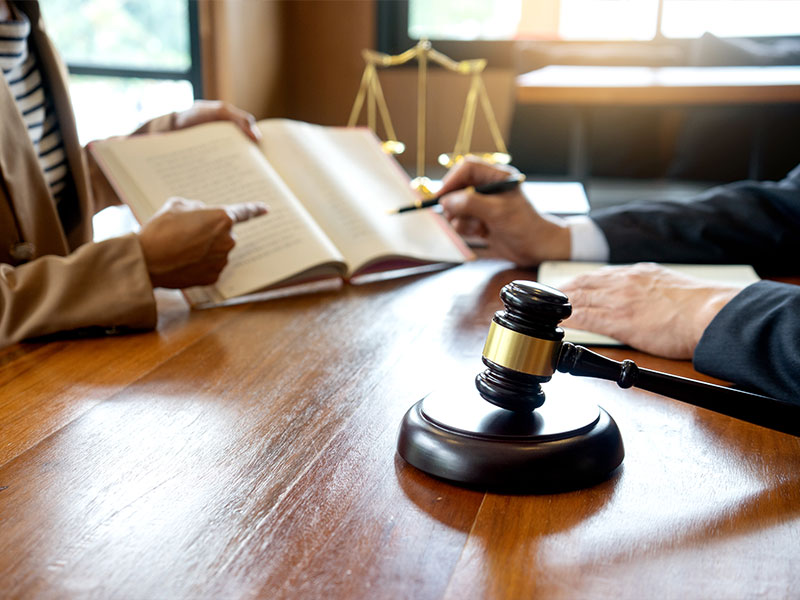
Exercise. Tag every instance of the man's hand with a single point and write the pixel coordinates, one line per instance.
(205, 111)
(508, 222)
(646, 306)
(187, 243)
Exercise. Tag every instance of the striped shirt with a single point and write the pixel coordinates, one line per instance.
(21, 72)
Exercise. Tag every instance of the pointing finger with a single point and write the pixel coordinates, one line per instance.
(245, 210)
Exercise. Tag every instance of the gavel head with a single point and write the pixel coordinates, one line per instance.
(523, 345)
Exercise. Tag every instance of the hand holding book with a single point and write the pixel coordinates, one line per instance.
(327, 188)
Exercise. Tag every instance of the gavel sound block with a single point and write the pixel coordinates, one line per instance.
(503, 435)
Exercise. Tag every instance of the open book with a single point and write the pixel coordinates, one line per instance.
(329, 190)
(557, 273)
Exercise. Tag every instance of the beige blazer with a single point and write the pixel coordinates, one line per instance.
(53, 277)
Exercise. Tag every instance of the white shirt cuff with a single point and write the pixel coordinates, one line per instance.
(588, 242)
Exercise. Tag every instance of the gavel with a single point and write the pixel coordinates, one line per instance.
(510, 438)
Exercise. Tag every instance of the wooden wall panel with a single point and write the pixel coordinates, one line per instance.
(242, 49)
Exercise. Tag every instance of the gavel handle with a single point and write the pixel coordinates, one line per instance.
(753, 408)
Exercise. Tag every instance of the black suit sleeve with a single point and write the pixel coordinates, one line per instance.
(756, 223)
(754, 341)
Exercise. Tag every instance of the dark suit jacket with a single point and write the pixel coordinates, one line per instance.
(755, 339)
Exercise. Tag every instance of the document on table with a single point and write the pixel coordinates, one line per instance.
(557, 273)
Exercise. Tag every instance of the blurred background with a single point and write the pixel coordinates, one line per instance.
(130, 60)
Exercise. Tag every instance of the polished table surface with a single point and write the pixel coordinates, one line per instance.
(249, 451)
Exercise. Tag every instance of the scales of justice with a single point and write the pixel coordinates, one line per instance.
(371, 94)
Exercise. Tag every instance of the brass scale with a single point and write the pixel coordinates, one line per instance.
(371, 94)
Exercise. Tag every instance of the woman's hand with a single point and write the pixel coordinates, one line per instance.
(187, 243)
(508, 222)
(205, 111)
(646, 306)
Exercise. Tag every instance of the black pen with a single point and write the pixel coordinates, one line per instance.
(495, 187)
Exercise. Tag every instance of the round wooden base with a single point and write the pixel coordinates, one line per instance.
(462, 438)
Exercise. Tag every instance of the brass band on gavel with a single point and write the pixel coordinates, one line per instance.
(520, 352)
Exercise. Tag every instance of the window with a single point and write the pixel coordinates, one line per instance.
(642, 32)
(129, 60)
(740, 18)
(612, 20)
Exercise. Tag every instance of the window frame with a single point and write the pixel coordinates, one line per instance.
(194, 74)
(392, 38)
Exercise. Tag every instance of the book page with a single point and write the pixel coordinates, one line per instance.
(348, 185)
(557, 273)
(562, 198)
(216, 164)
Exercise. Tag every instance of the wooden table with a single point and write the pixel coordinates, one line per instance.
(582, 87)
(250, 452)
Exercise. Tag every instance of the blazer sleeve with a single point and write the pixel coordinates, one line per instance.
(754, 341)
(756, 223)
(99, 285)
